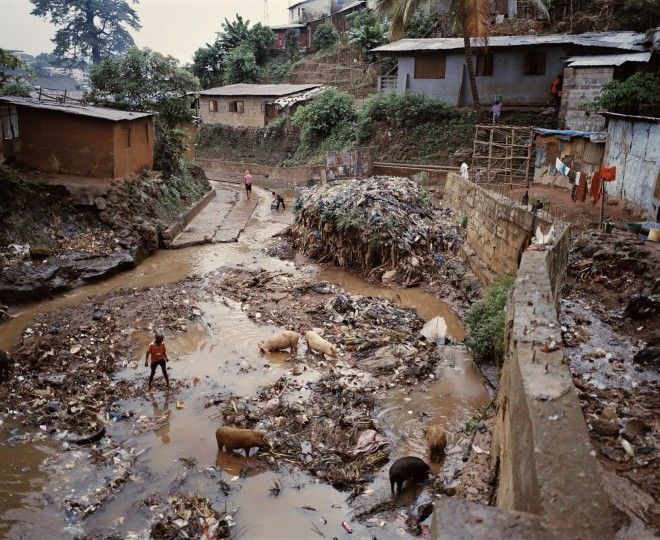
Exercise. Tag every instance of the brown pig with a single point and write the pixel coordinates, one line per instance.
(239, 439)
(437, 441)
(279, 341)
(317, 344)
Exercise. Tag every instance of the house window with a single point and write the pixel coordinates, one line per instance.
(237, 106)
(484, 67)
(213, 105)
(535, 63)
(430, 66)
(9, 122)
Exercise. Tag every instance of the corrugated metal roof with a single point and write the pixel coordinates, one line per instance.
(608, 59)
(288, 26)
(617, 40)
(267, 90)
(299, 4)
(102, 113)
(568, 134)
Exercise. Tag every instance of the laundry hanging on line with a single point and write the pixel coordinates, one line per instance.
(604, 174)
(581, 181)
(561, 167)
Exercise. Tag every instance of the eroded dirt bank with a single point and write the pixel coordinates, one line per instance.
(156, 467)
(55, 237)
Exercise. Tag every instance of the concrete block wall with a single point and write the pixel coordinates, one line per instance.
(497, 228)
(582, 86)
(541, 448)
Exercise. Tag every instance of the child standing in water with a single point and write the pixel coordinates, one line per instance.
(158, 358)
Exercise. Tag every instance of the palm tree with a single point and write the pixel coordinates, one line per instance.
(472, 16)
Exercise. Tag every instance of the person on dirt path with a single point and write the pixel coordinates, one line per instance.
(247, 180)
(159, 357)
(277, 200)
(4, 365)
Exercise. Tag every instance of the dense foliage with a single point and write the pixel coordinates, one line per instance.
(408, 110)
(89, 29)
(236, 33)
(325, 37)
(367, 30)
(208, 64)
(485, 338)
(429, 25)
(325, 112)
(639, 93)
(241, 65)
(142, 79)
(8, 64)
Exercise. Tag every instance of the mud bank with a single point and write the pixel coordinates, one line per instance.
(56, 237)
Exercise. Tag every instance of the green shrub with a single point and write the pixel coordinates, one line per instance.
(429, 25)
(638, 93)
(241, 65)
(325, 37)
(368, 32)
(485, 338)
(324, 113)
(275, 127)
(407, 110)
(16, 88)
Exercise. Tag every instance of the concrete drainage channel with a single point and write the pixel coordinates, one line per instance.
(548, 480)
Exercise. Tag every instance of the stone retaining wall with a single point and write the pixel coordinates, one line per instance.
(497, 229)
(541, 451)
(294, 175)
(541, 448)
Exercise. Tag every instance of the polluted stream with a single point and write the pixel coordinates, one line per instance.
(170, 437)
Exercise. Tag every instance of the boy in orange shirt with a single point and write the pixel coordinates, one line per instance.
(158, 358)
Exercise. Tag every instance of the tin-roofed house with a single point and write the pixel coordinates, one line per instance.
(516, 69)
(251, 105)
(70, 138)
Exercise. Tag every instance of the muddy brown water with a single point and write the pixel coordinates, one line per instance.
(223, 354)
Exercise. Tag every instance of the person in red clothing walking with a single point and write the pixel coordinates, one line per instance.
(159, 357)
(247, 180)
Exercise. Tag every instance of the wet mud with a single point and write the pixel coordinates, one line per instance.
(159, 444)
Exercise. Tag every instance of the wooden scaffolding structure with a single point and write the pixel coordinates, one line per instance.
(503, 153)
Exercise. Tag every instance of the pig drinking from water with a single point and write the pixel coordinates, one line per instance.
(407, 468)
(322, 346)
(240, 439)
(280, 341)
(437, 441)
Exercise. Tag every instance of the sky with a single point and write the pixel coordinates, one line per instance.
(176, 27)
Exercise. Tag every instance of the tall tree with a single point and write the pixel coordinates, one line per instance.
(208, 64)
(472, 18)
(91, 30)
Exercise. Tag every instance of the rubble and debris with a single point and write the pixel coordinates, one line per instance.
(187, 516)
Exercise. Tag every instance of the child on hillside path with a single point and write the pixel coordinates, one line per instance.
(159, 357)
(496, 110)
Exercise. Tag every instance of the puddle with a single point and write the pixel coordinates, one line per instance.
(222, 356)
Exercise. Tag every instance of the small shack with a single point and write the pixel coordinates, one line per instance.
(584, 78)
(580, 150)
(251, 105)
(633, 146)
(71, 138)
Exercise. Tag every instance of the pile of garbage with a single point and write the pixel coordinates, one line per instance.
(331, 434)
(187, 516)
(384, 228)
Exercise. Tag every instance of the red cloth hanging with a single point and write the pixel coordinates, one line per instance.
(604, 174)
